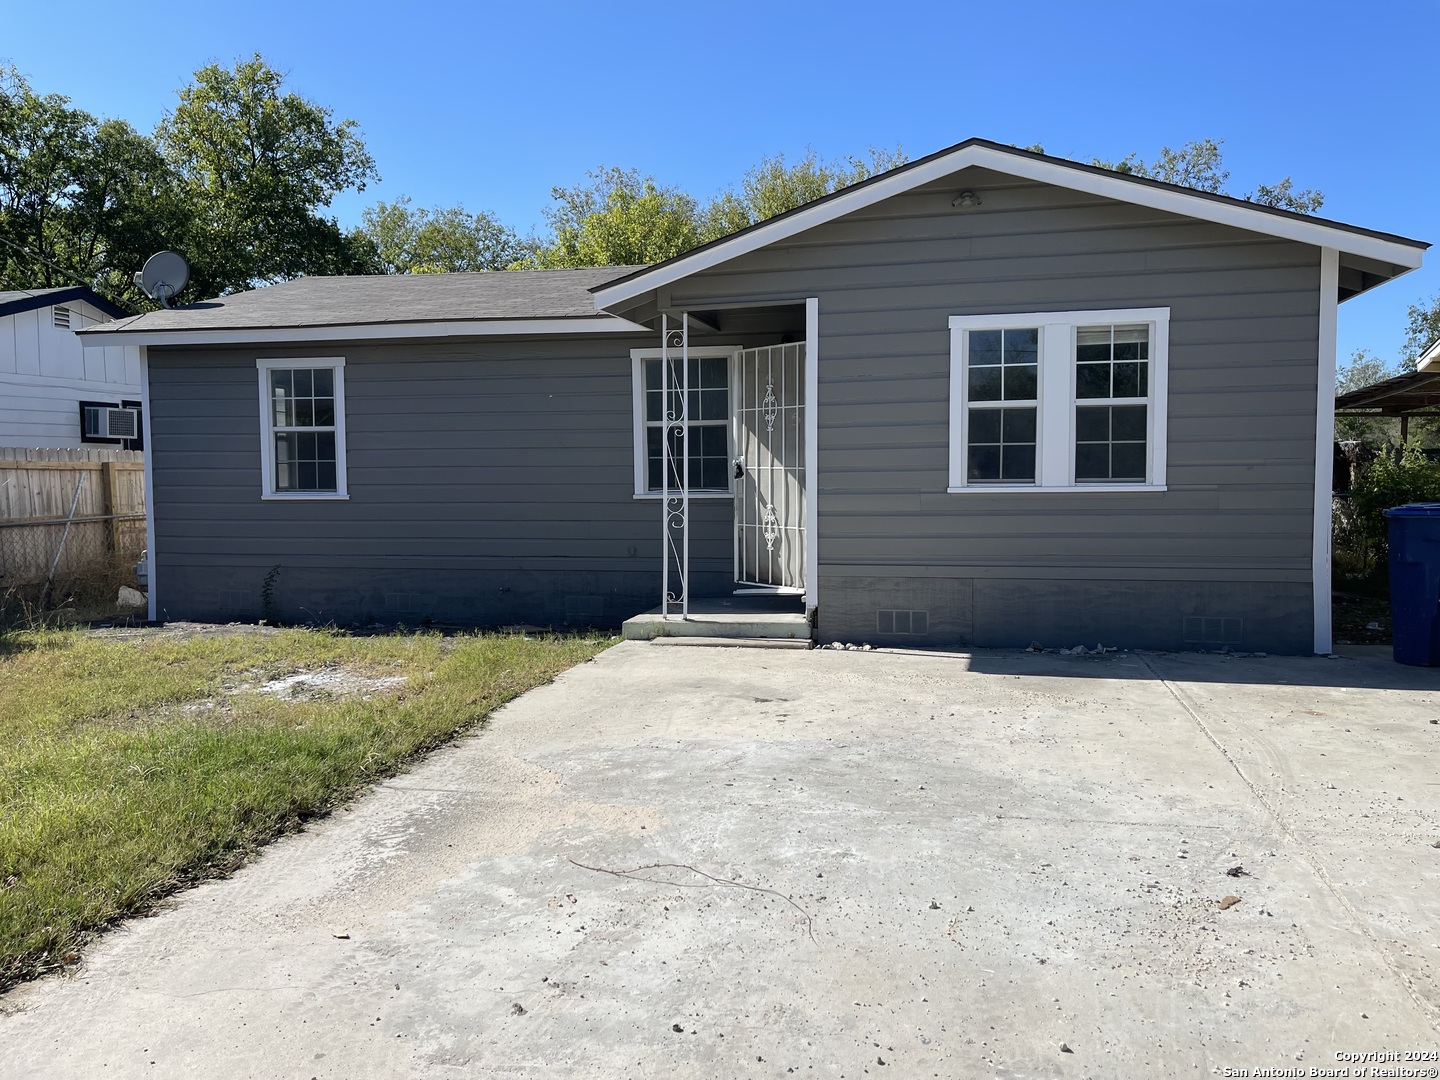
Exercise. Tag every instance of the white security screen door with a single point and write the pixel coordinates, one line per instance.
(769, 398)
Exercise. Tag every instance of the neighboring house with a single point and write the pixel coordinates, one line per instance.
(54, 393)
(989, 397)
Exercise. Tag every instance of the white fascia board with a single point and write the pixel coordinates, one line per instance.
(608, 324)
(1048, 172)
(1430, 359)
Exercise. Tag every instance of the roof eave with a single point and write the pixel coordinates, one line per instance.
(585, 324)
(1403, 253)
(56, 297)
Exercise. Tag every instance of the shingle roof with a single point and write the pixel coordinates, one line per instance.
(388, 299)
(30, 299)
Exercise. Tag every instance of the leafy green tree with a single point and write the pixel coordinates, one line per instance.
(81, 201)
(620, 218)
(1200, 165)
(256, 166)
(407, 240)
(1422, 329)
(1364, 369)
(773, 187)
(1392, 479)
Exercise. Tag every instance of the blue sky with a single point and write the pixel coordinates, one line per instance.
(492, 105)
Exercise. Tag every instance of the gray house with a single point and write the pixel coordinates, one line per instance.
(986, 398)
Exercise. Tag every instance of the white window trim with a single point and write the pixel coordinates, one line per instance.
(637, 404)
(267, 424)
(1055, 423)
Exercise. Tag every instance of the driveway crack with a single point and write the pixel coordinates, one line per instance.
(1308, 854)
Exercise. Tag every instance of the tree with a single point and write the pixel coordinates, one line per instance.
(256, 165)
(81, 201)
(1422, 329)
(619, 219)
(1200, 165)
(623, 218)
(1364, 369)
(772, 187)
(439, 241)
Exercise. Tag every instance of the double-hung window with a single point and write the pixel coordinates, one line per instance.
(302, 428)
(1049, 401)
(708, 419)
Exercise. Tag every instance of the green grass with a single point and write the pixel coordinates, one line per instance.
(130, 768)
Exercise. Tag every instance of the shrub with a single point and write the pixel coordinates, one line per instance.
(1392, 479)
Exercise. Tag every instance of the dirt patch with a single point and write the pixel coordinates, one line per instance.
(325, 683)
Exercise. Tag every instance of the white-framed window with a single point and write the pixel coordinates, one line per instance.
(1059, 401)
(709, 418)
(302, 428)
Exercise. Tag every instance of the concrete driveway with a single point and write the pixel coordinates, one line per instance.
(999, 864)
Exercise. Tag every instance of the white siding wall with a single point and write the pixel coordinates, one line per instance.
(45, 372)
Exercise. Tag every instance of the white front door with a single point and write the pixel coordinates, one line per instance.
(769, 469)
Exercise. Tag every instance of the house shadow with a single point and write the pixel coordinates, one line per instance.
(1368, 667)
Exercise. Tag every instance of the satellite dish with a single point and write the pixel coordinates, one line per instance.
(165, 275)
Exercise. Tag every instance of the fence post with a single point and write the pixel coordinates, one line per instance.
(109, 500)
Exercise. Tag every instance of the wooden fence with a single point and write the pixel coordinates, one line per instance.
(67, 514)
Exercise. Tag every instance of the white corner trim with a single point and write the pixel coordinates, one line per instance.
(1056, 173)
(263, 366)
(1055, 400)
(1324, 446)
(637, 413)
(145, 432)
(589, 324)
(812, 454)
(1430, 358)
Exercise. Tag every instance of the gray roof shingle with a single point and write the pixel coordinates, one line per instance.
(387, 299)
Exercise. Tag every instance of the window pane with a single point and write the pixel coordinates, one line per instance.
(714, 474)
(324, 445)
(1092, 461)
(1018, 463)
(1127, 461)
(1019, 424)
(712, 372)
(326, 479)
(303, 383)
(1020, 383)
(985, 384)
(1144, 381)
(325, 412)
(306, 471)
(1127, 422)
(304, 413)
(984, 463)
(1092, 424)
(714, 405)
(282, 384)
(324, 382)
(652, 404)
(985, 425)
(1092, 381)
(652, 375)
(712, 440)
(1021, 346)
(1127, 380)
(984, 347)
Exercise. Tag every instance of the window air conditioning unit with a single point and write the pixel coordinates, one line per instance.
(108, 423)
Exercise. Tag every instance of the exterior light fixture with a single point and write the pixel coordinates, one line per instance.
(966, 198)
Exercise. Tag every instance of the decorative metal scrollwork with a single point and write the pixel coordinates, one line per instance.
(772, 408)
(770, 527)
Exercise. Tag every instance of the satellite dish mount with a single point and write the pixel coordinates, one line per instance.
(164, 277)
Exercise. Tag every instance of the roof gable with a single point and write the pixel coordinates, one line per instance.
(1403, 253)
(31, 299)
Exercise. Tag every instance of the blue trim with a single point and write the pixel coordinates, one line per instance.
(55, 297)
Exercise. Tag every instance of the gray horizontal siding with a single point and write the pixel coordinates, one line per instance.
(1242, 375)
(477, 473)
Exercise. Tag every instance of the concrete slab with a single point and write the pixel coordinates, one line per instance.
(740, 618)
(721, 862)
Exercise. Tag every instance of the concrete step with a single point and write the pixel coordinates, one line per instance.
(717, 622)
(736, 643)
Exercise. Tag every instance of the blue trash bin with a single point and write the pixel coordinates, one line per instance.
(1415, 582)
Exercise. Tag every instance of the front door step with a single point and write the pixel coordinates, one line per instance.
(738, 626)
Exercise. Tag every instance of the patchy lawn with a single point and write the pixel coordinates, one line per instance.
(132, 766)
